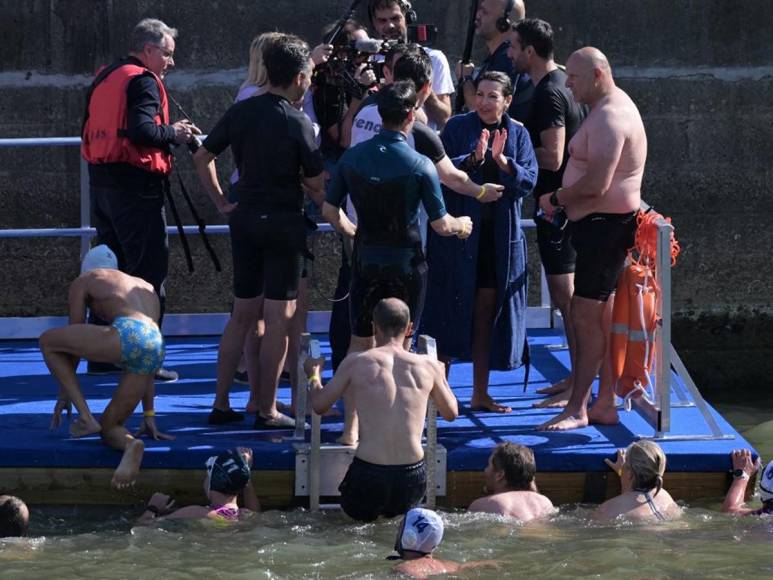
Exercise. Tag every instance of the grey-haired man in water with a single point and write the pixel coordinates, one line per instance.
(132, 340)
(509, 479)
(390, 387)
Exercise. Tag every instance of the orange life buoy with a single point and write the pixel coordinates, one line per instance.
(634, 314)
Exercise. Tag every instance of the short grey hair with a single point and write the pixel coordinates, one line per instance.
(149, 30)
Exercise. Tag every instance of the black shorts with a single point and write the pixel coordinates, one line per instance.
(486, 270)
(268, 253)
(380, 272)
(555, 248)
(602, 241)
(369, 491)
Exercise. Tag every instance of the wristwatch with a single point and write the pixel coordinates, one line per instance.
(740, 474)
(554, 199)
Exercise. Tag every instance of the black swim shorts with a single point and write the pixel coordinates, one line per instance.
(380, 272)
(268, 253)
(602, 241)
(369, 491)
(555, 248)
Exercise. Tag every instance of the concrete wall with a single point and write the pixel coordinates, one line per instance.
(698, 69)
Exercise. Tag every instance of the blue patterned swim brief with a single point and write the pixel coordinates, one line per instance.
(142, 346)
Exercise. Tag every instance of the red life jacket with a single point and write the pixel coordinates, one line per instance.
(103, 136)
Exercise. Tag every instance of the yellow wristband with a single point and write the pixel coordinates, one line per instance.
(312, 377)
(482, 192)
(619, 472)
(150, 413)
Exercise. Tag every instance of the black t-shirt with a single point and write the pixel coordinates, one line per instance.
(427, 142)
(330, 106)
(553, 106)
(272, 143)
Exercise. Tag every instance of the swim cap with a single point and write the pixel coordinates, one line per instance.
(421, 531)
(228, 472)
(766, 483)
(99, 257)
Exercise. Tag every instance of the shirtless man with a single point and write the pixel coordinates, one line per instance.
(601, 194)
(389, 388)
(744, 468)
(132, 341)
(509, 478)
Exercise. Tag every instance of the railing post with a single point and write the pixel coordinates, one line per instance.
(316, 441)
(663, 344)
(85, 206)
(428, 346)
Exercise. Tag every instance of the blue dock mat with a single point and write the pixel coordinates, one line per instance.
(28, 394)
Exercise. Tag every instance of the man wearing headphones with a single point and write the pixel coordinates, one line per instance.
(493, 22)
(389, 20)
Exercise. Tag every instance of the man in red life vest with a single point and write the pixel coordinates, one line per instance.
(126, 141)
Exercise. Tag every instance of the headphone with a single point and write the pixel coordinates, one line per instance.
(503, 22)
(405, 8)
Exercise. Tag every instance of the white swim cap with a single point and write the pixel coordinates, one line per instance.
(99, 257)
(766, 483)
(421, 531)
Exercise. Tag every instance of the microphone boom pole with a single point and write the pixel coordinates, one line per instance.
(466, 56)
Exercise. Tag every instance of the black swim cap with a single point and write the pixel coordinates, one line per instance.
(228, 472)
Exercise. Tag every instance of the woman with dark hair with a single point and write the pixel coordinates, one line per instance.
(476, 291)
(640, 468)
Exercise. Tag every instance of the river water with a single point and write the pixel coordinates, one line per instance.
(100, 542)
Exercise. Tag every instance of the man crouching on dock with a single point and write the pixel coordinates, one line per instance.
(390, 387)
(132, 341)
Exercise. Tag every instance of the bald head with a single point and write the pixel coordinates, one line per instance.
(590, 58)
(518, 12)
(391, 317)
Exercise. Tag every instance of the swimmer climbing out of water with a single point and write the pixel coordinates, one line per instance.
(389, 388)
(640, 468)
(744, 467)
(132, 340)
(228, 475)
(420, 533)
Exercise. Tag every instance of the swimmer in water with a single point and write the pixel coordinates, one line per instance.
(640, 468)
(509, 479)
(419, 535)
(14, 517)
(133, 341)
(744, 467)
(228, 475)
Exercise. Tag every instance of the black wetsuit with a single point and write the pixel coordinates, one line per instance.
(387, 180)
(273, 144)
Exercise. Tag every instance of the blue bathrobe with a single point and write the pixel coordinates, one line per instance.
(451, 286)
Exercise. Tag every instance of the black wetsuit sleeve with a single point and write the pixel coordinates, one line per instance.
(143, 102)
(337, 189)
(431, 193)
(219, 138)
(549, 111)
(428, 143)
(310, 156)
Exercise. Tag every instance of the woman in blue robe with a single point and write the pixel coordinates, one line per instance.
(476, 291)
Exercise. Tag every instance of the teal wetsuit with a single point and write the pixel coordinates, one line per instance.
(142, 346)
(387, 180)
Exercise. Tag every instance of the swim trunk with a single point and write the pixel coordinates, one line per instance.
(369, 491)
(380, 272)
(268, 253)
(555, 248)
(602, 241)
(142, 346)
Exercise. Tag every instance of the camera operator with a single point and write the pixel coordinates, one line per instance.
(390, 19)
(493, 23)
(268, 228)
(126, 140)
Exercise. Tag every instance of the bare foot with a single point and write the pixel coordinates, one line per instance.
(555, 402)
(346, 440)
(559, 387)
(488, 405)
(126, 472)
(565, 422)
(252, 407)
(82, 427)
(600, 414)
